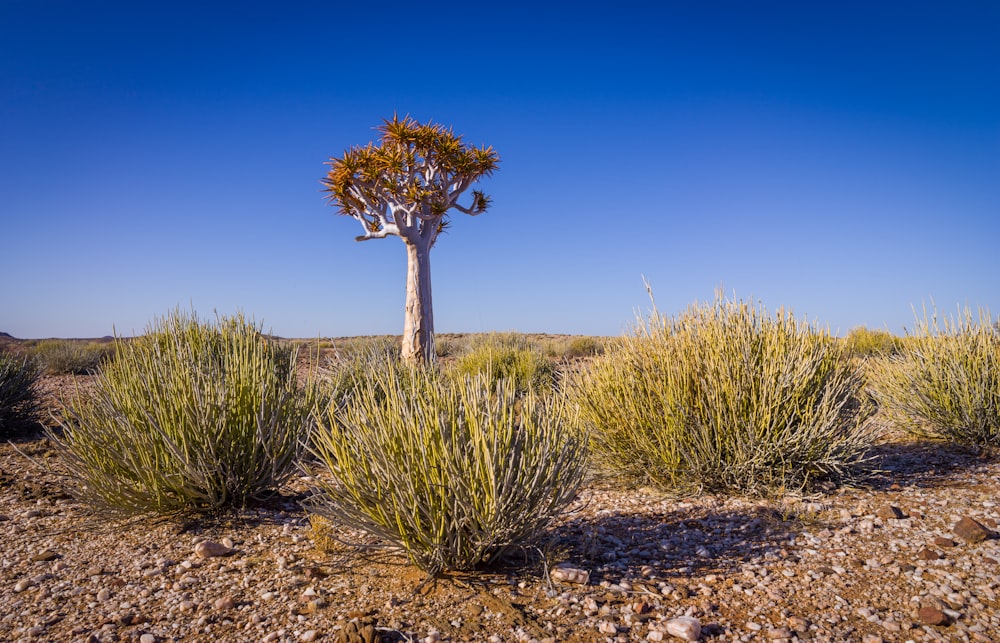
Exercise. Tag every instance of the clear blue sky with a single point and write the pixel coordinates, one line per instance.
(841, 159)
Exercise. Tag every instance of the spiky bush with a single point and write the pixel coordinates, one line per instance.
(864, 342)
(18, 392)
(60, 356)
(946, 383)
(189, 416)
(506, 356)
(724, 397)
(452, 471)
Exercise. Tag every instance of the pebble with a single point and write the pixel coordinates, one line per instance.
(44, 556)
(970, 530)
(225, 603)
(929, 615)
(147, 638)
(684, 627)
(210, 549)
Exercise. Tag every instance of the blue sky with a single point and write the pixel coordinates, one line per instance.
(841, 159)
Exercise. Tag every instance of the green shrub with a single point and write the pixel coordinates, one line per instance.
(506, 356)
(863, 342)
(59, 356)
(724, 397)
(450, 471)
(18, 392)
(946, 383)
(572, 347)
(189, 416)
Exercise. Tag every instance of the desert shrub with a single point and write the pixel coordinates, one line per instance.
(572, 347)
(60, 356)
(505, 356)
(946, 383)
(454, 472)
(350, 347)
(864, 342)
(189, 416)
(18, 392)
(724, 397)
(349, 371)
(450, 345)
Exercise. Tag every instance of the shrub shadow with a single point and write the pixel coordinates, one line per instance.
(682, 543)
(923, 463)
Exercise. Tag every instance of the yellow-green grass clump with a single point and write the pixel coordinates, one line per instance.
(190, 416)
(62, 356)
(864, 342)
(506, 356)
(455, 472)
(946, 383)
(725, 397)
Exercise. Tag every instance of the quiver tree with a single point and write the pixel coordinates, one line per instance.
(406, 186)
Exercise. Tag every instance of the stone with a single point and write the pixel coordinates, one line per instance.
(22, 585)
(799, 624)
(308, 635)
(147, 638)
(779, 633)
(929, 615)
(928, 554)
(210, 549)
(225, 603)
(970, 531)
(890, 512)
(44, 556)
(607, 627)
(684, 627)
(655, 635)
(941, 541)
(569, 575)
(104, 594)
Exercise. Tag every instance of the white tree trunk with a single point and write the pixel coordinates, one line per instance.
(418, 326)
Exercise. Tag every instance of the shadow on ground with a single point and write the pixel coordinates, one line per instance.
(924, 463)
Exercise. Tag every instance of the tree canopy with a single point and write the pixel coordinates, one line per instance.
(406, 184)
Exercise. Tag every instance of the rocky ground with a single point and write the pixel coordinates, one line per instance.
(910, 556)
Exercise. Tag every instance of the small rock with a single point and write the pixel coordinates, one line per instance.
(225, 603)
(607, 627)
(799, 624)
(871, 638)
(890, 512)
(945, 542)
(227, 542)
(104, 594)
(22, 585)
(44, 556)
(932, 616)
(970, 531)
(147, 638)
(209, 549)
(655, 635)
(928, 554)
(309, 635)
(779, 633)
(569, 575)
(684, 627)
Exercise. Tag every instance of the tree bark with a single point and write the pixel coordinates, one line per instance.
(418, 326)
